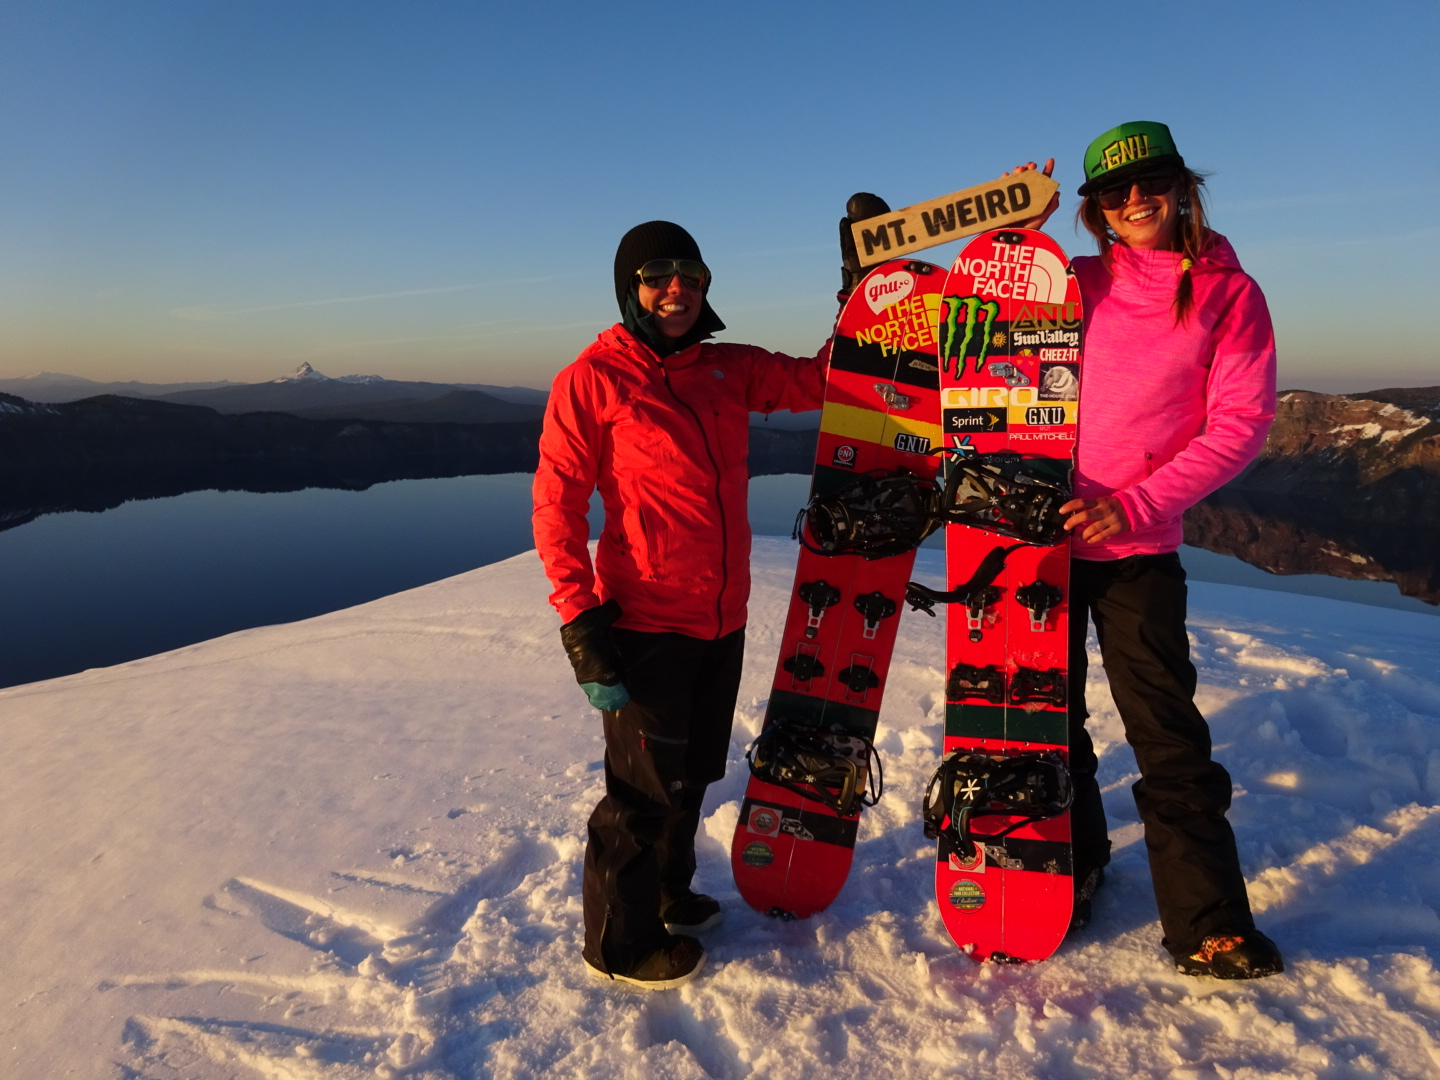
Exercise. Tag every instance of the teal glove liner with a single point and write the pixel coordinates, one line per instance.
(606, 698)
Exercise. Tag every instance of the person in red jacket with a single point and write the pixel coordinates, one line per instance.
(656, 416)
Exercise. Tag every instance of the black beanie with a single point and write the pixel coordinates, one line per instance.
(658, 240)
(652, 240)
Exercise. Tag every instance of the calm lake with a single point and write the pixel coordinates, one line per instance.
(81, 590)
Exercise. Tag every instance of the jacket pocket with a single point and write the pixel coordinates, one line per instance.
(652, 551)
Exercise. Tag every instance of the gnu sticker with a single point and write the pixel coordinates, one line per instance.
(887, 289)
(912, 444)
(844, 457)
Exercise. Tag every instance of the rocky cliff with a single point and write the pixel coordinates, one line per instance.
(1347, 486)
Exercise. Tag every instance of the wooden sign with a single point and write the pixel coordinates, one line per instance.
(1007, 201)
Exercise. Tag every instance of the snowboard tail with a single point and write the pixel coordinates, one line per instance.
(1010, 346)
(795, 840)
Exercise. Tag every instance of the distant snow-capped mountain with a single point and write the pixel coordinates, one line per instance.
(306, 373)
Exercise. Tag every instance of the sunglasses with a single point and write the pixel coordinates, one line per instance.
(657, 273)
(1117, 195)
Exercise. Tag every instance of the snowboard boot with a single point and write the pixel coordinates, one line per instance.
(673, 965)
(691, 913)
(1085, 890)
(1246, 955)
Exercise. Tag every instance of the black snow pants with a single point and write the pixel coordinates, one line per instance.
(1138, 606)
(661, 751)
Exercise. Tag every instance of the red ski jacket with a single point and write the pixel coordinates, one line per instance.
(666, 442)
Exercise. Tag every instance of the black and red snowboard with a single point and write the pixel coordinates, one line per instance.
(813, 768)
(1010, 341)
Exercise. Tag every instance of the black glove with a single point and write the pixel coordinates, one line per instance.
(860, 206)
(594, 657)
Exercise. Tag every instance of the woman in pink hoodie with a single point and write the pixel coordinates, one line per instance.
(1177, 395)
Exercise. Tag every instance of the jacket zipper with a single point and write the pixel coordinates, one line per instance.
(719, 502)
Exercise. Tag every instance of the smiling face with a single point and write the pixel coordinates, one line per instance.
(1146, 222)
(675, 306)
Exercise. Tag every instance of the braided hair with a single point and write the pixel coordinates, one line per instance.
(1191, 234)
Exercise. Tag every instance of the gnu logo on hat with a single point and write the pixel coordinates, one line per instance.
(844, 457)
(1137, 144)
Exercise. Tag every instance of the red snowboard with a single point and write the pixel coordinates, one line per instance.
(796, 837)
(1010, 345)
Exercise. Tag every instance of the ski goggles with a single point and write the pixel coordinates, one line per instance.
(657, 273)
(1114, 196)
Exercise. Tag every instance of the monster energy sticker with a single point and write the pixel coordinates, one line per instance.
(950, 327)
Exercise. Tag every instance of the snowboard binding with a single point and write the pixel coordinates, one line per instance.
(969, 681)
(977, 594)
(819, 595)
(1039, 598)
(968, 785)
(841, 771)
(1031, 686)
(882, 513)
(995, 493)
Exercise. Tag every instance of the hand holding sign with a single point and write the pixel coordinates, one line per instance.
(1054, 203)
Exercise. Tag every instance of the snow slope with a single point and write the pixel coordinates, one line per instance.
(351, 847)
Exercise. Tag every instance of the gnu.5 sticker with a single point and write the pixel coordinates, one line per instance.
(886, 289)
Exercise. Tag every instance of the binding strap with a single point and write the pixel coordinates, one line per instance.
(841, 771)
(969, 785)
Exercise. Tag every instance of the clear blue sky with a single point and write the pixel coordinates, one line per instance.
(196, 189)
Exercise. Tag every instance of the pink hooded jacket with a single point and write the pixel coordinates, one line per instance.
(1168, 413)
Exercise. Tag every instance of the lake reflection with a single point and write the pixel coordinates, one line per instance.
(80, 590)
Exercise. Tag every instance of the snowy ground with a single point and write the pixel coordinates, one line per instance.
(351, 847)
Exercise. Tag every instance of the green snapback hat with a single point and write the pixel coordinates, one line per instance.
(1128, 149)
